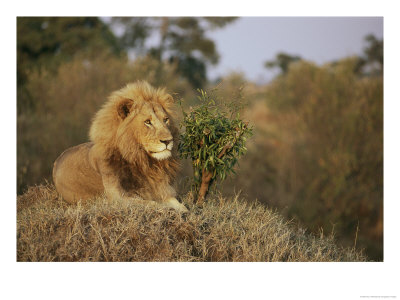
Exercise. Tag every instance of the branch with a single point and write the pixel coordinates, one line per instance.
(206, 176)
(228, 146)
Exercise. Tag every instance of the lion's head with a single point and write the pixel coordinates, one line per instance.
(136, 120)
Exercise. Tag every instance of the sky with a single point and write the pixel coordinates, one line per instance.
(246, 44)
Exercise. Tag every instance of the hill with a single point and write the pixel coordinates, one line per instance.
(48, 229)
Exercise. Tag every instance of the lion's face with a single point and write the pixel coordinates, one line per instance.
(153, 133)
(147, 125)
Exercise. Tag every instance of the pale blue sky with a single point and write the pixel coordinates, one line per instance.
(246, 44)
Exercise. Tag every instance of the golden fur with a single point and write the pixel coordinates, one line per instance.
(132, 153)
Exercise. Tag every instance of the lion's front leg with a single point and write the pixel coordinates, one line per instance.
(113, 190)
(168, 195)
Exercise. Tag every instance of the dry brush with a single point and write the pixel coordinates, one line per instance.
(48, 229)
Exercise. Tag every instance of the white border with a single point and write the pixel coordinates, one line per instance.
(200, 280)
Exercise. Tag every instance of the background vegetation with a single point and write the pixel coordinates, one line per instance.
(317, 150)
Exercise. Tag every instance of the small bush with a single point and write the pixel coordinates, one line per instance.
(213, 140)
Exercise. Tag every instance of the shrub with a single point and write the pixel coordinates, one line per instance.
(213, 140)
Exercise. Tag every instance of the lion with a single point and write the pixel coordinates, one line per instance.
(132, 153)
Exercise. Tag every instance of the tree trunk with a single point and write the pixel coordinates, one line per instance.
(206, 176)
(205, 182)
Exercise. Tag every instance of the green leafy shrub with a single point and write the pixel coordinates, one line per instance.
(214, 138)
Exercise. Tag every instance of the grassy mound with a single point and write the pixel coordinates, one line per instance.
(48, 229)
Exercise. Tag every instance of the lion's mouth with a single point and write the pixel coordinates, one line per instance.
(151, 152)
(160, 155)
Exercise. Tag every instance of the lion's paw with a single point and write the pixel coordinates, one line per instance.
(175, 204)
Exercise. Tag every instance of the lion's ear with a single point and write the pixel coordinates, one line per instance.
(124, 108)
(167, 102)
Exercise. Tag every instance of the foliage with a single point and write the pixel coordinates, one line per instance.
(49, 41)
(48, 229)
(182, 40)
(44, 43)
(282, 61)
(327, 146)
(374, 51)
(213, 139)
(371, 63)
(135, 32)
(317, 150)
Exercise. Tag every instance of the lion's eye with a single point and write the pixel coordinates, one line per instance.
(166, 120)
(147, 122)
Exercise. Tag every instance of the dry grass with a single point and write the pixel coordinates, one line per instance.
(48, 229)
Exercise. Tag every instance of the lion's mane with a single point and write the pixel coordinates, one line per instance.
(116, 146)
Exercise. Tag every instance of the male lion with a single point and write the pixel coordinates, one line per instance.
(131, 155)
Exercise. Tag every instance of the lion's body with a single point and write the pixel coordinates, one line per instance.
(74, 176)
(131, 153)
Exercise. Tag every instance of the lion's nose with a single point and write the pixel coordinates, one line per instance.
(166, 142)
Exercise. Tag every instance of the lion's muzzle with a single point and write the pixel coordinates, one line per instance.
(163, 150)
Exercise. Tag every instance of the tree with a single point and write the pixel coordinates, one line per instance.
(48, 41)
(133, 32)
(371, 63)
(282, 61)
(182, 41)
